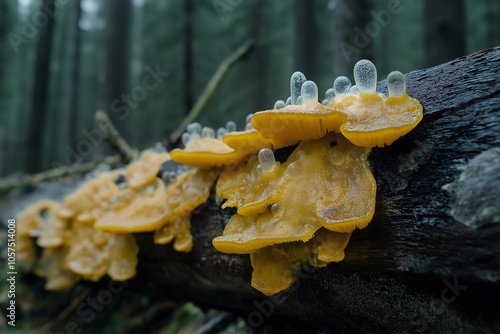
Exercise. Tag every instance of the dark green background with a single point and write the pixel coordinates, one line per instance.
(91, 52)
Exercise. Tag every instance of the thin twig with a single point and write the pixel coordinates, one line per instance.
(112, 135)
(210, 89)
(67, 311)
(58, 172)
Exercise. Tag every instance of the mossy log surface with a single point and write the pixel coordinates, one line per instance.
(415, 268)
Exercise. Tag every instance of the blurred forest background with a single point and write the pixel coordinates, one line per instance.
(61, 60)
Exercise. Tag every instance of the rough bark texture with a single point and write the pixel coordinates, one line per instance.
(415, 268)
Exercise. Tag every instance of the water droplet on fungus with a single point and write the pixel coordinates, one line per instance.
(396, 83)
(207, 132)
(365, 76)
(296, 81)
(194, 127)
(266, 160)
(354, 90)
(230, 126)
(309, 92)
(279, 104)
(221, 132)
(186, 137)
(330, 95)
(341, 85)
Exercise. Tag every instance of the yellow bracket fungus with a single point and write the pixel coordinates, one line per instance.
(301, 211)
(144, 170)
(275, 266)
(204, 151)
(374, 120)
(147, 211)
(299, 121)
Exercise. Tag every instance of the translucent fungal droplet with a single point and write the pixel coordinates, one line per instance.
(248, 119)
(276, 209)
(396, 83)
(365, 76)
(186, 137)
(341, 85)
(296, 81)
(337, 158)
(194, 127)
(207, 132)
(288, 101)
(309, 92)
(221, 132)
(354, 89)
(230, 126)
(299, 100)
(266, 160)
(279, 104)
(325, 102)
(248, 126)
(330, 95)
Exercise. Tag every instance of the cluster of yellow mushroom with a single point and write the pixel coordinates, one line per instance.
(89, 234)
(301, 210)
(304, 209)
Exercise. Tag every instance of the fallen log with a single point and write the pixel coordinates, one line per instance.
(430, 259)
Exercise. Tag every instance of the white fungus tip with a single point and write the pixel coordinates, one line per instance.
(288, 101)
(365, 76)
(354, 89)
(279, 104)
(230, 126)
(329, 95)
(207, 132)
(221, 132)
(296, 81)
(341, 85)
(194, 127)
(309, 92)
(248, 119)
(396, 83)
(186, 137)
(266, 160)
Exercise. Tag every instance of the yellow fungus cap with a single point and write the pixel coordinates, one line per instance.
(147, 211)
(51, 267)
(91, 200)
(206, 153)
(274, 267)
(29, 223)
(247, 188)
(326, 182)
(144, 170)
(298, 122)
(180, 230)
(93, 254)
(377, 121)
(252, 141)
(189, 191)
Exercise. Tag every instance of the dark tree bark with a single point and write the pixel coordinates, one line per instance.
(40, 89)
(414, 268)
